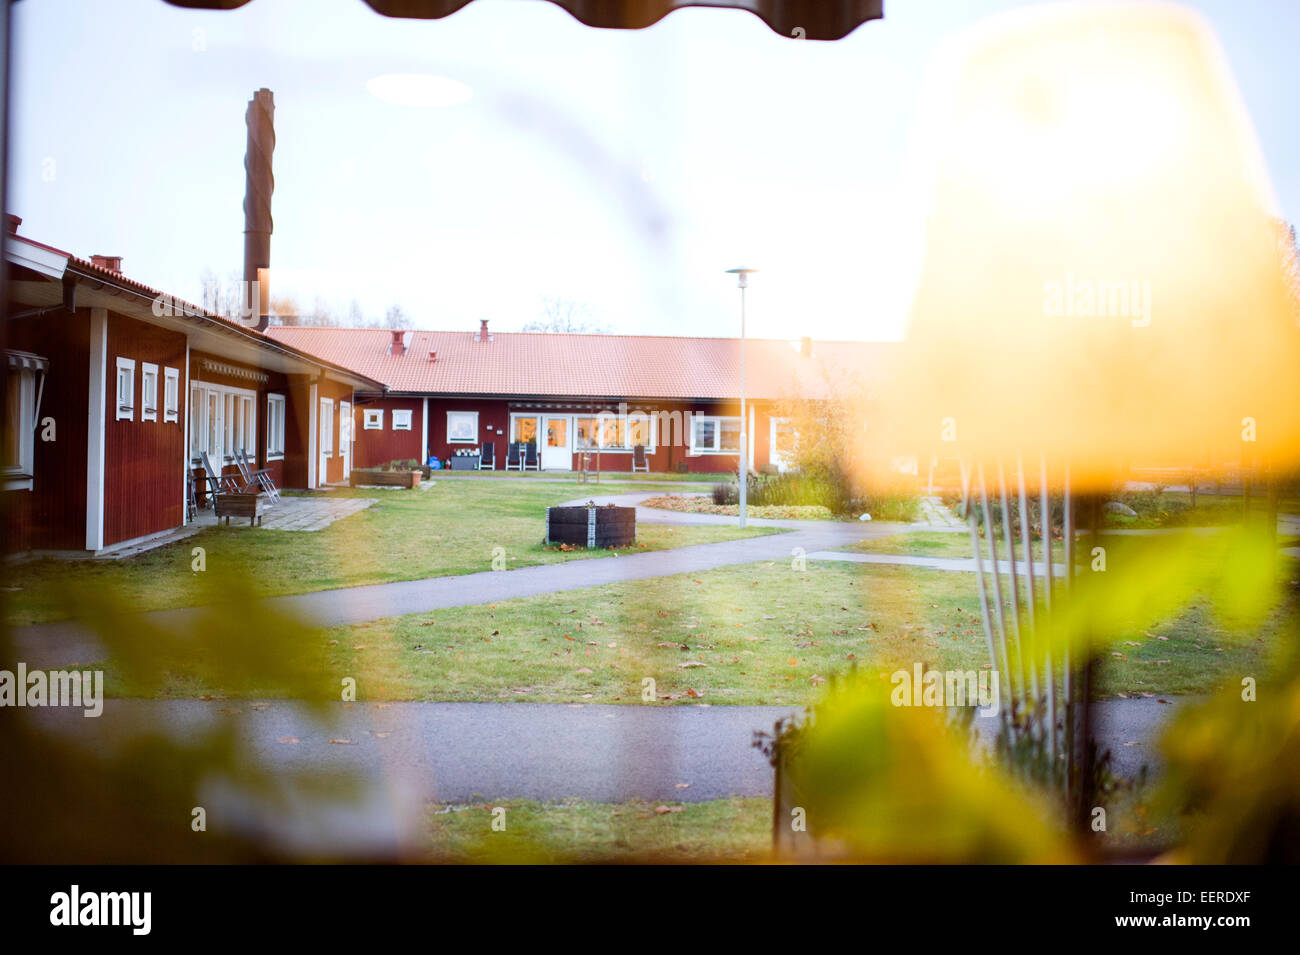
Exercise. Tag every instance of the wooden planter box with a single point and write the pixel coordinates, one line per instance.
(240, 505)
(591, 526)
(465, 462)
(385, 478)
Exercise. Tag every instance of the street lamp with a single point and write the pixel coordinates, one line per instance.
(742, 283)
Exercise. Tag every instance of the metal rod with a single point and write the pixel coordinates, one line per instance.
(1045, 528)
(992, 539)
(1027, 540)
(1071, 743)
(979, 575)
(1015, 583)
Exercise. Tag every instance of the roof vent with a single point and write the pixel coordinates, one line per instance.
(483, 335)
(433, 356)
(14, 222)
(399, 344)
(110, 263)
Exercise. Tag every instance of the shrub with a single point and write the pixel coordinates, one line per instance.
(725, 494)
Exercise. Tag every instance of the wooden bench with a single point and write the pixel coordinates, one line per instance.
(235, 504)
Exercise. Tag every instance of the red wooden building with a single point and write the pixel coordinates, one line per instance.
(112, 389)
(678, 397)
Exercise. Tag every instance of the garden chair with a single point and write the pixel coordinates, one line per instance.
(639, 460)
(488, 460)
(219, 483)
(259, 476)
(514, 457)
(531, 462)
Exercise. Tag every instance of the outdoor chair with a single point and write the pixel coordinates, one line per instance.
(488, 460)
(191, 496)
(639, 461)
(222, 483)
(515, 457)
(259, 476)
(531, 461)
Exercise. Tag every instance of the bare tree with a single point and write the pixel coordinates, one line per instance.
(222, 297)
(285, 311)
(565, 315)
(396, 318)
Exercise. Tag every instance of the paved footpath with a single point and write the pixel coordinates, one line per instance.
(402, 756)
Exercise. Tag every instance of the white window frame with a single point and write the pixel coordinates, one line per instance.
(373, 420)
(774, 457)
(451, 415)
(275, 409)
(171, 394)
(602, 417)
(148, 383)
(25, 368)
(717, 434)
(326, 430)
(125, 373)
(234, 431)
(402, 420)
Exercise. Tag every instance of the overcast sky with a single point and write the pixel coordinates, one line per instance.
(625, 170)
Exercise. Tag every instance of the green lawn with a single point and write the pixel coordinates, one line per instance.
(751, 634)
(452, 527)
(944, 544)
(720, 830)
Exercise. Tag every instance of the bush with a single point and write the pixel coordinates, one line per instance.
(725, 494)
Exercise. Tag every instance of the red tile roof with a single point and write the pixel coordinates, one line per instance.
(598, 366)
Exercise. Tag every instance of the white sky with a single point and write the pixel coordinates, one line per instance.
(623, 169)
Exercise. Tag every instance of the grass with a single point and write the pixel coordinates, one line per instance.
(749, 634)
(452, 527)
(705, 505)
(945, 544)
(734, 829)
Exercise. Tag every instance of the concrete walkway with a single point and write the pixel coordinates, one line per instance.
(403, 756)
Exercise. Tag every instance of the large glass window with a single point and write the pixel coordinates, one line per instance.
(612, 432)
(462, 427)
(275, 426)
(711, 434)
(524, 429)
(222, 420)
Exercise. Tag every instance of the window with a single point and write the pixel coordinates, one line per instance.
(374, 420)
(326, 429)
(402, 419)
(462, 427)
(148, 391)
(274, 426)
(715, 435)
(614, 432)
(24, 380)
(125, 389)
(524, 428)
(782, 443)
(171, 394)
(222, 420)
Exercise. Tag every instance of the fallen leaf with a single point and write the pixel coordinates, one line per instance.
(342, 742)
(663, 810)
(287, 739)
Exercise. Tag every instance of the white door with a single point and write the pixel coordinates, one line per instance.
(326, 439)
(557, 443)
(345, 437)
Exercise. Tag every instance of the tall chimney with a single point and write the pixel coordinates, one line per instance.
(399, 346)
(483, 335)
(258, 185)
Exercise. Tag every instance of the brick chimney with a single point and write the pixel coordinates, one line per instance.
(13, 222)
(399, 344)
(483, 335)
(111, 263)
(805, 347)
(433, 356)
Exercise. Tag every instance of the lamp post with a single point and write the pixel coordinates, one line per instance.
(742, 283)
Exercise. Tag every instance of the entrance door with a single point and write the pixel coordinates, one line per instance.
(345, 437)
(326, 440)
(557, 449)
